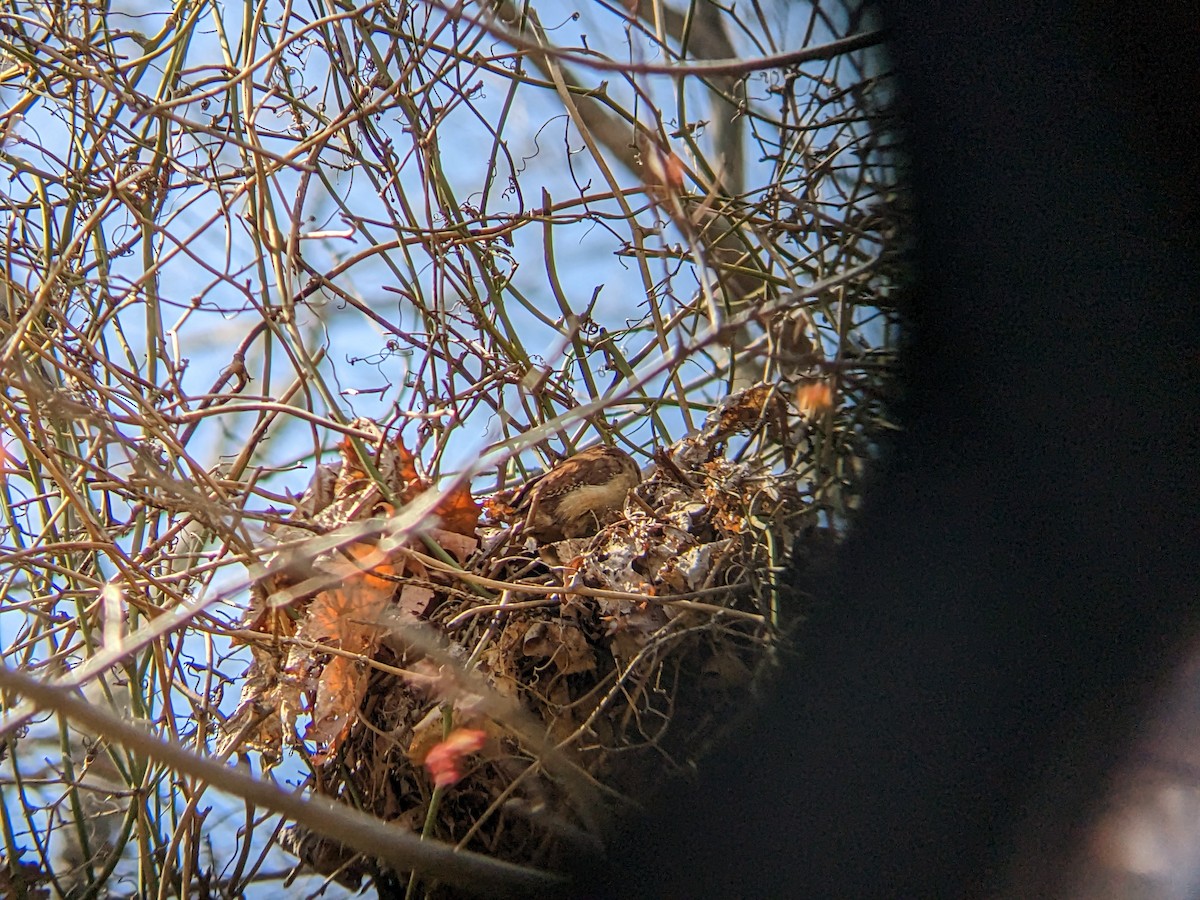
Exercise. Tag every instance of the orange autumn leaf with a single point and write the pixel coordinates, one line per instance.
(663, 174)
(340, 599)
(498, 507)
(363, 584)
(341, 690)
(445, 759)
(458, 510)
(349, 617)
(730, 522)
(395, 463)
(406, 472)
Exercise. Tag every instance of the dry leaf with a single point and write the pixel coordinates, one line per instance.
(347, 617)
(414, 602)
(363, 588)
(458, 545)
(498, 507)
(746, 409)
(410, 484)
(565, 647)
(458, 511)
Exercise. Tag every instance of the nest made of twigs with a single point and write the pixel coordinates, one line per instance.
(575, 676)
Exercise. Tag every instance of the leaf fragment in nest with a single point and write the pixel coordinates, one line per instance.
(748, 408)
(361, 586)
(457, 510)
(563, 645)
(348, 617)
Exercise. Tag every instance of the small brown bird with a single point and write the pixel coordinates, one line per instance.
(578, 496)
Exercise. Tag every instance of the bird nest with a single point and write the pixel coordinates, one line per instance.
(503, 693)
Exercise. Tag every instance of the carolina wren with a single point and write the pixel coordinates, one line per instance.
(578, 496)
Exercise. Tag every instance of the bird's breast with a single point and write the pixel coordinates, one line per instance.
(592, 498)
